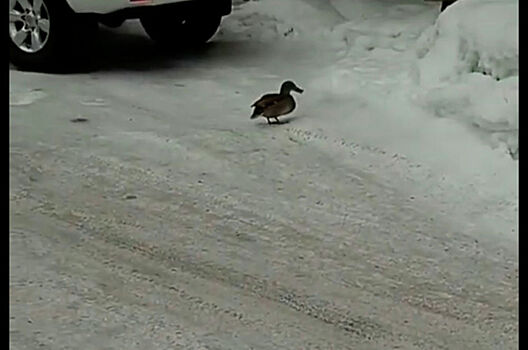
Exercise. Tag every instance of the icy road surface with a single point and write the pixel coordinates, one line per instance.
(148, 212)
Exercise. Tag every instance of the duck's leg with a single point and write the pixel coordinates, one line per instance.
(268, 120)
(277, 120)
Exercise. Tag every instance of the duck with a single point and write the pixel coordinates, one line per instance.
(272, 106)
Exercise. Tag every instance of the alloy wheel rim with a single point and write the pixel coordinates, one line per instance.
(29, 24)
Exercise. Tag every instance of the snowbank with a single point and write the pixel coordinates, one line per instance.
(468, 67)
(278, 19)
(471, 36)
(353, 23)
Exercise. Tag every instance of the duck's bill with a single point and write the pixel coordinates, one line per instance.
(299, 90)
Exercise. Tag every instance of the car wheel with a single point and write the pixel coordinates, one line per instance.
(171, 31)
(45, 34)
(446, 3)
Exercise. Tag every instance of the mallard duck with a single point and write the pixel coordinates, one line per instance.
(274, 105)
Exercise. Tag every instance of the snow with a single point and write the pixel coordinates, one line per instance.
(25, 98)
(398, 77)
(402, 154)
(411, 86)
(389, 76)
(468, 69)
(487, 44)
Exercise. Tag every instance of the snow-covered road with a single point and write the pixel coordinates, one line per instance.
(169, 220)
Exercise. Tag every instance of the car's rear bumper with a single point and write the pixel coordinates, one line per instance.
(103, 7)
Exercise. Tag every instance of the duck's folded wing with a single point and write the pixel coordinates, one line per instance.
(281, 107)
(266, 101)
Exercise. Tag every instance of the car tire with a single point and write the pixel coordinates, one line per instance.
(171, 31)
(46, 35)
(446, 3)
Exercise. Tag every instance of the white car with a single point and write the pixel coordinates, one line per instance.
(45, 34)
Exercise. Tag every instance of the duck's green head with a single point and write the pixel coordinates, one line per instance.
(288, 86)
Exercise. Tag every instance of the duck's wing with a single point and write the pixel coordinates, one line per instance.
(266, 101)
(282, 106)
